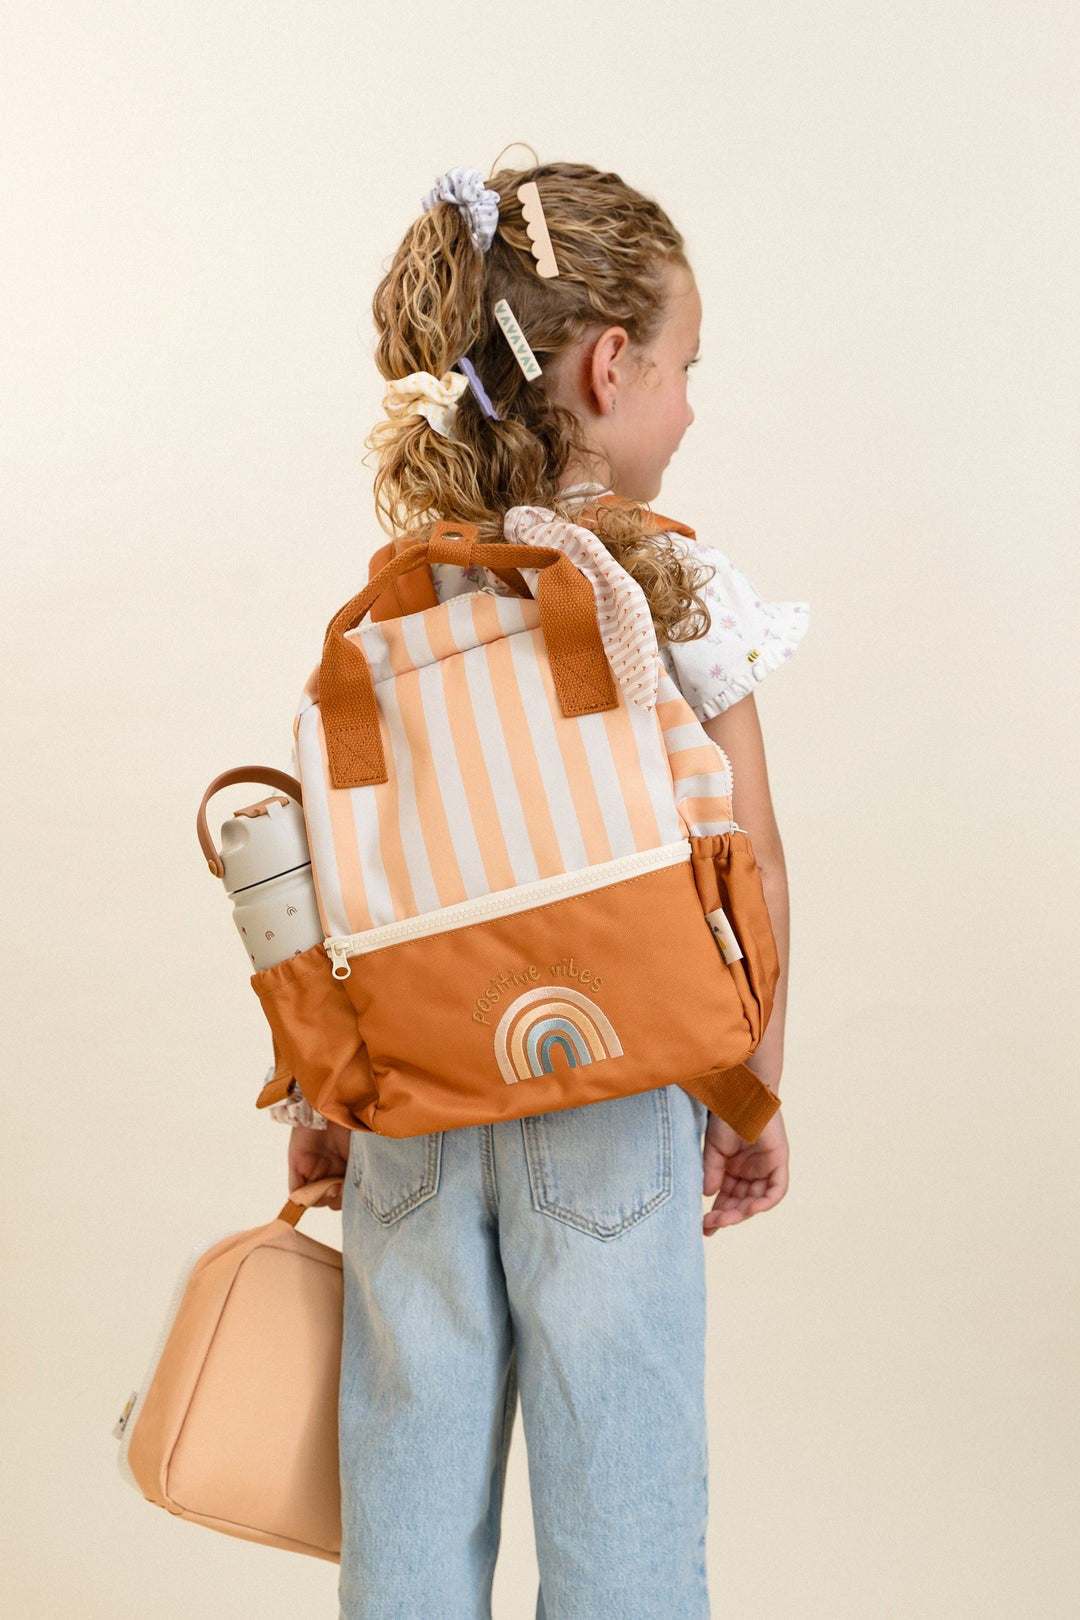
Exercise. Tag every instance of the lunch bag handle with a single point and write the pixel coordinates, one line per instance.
(567, 602)
(307, 1196)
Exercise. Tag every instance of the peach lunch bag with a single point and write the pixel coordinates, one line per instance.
(235, 1423)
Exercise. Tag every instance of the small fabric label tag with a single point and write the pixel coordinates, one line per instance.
(121, 1423)
(724, 935)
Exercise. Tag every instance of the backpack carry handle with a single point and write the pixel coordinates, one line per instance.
(567, 603)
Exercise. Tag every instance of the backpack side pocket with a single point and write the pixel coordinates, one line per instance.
(728, 880)
(317, 1036)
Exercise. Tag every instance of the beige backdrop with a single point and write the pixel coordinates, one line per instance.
(880, 204)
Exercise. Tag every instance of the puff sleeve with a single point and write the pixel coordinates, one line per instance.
(747, 638)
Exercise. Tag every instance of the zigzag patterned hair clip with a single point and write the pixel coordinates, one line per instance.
(517, 340)
(532, 210)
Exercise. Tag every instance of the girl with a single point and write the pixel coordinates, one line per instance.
(557, 1257)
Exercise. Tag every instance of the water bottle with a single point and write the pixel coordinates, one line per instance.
(265, 865)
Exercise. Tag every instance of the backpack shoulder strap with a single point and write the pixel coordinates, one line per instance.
(655, 522)
(408, 593)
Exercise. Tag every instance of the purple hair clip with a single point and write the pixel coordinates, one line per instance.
(465, 365)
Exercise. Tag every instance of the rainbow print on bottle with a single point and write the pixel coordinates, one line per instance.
(549, 1023)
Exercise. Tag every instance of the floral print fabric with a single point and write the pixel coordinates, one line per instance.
(747, 638)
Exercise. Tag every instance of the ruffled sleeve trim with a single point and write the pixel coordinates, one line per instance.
(747, 639)
(790, 624)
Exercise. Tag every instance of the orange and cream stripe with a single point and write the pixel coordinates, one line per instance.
(489, 785)
(700, 770)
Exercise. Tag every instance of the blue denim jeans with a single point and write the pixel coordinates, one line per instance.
(558, 1258)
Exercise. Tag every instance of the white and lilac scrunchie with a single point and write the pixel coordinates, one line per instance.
(466, 190)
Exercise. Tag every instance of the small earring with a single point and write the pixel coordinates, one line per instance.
(612, 405)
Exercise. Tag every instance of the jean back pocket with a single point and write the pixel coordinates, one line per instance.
(394, 1175)
(602, 1167)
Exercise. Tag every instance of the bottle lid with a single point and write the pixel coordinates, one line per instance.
(262, 841)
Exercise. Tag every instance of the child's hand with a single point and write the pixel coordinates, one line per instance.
(747, 1177)
(315, 1154)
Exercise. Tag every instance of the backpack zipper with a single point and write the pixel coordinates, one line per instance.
(504, 903)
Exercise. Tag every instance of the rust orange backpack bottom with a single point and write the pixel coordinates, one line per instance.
(654, 965)
(609, 997)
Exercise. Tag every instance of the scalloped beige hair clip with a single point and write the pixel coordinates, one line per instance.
(532, 210)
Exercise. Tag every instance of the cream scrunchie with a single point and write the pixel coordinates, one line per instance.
(425, 395)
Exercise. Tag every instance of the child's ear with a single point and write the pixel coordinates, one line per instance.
(607, 367)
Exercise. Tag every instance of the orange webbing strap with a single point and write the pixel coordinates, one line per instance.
(567, 603)
(275, 1090)
(737, 1096)
(277, 1087)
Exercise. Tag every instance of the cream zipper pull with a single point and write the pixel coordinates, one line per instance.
(338, 956)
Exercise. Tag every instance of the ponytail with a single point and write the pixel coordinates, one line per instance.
(434, 306)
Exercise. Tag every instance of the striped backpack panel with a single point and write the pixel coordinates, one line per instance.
(489, 785)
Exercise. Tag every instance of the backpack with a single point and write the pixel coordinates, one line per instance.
(533, 891)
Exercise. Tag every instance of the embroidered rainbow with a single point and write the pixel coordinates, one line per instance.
(550, 1019)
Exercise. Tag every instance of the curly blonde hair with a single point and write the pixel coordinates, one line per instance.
(435, 304)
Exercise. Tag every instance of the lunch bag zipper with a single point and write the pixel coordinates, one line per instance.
(125, 1423)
